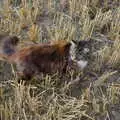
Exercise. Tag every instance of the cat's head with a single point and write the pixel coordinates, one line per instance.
(80, 52)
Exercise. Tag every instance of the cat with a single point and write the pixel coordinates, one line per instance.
(44, 58)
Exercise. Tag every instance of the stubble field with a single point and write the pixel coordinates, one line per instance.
(80, 95)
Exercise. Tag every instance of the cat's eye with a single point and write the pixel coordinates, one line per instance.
(86, 50)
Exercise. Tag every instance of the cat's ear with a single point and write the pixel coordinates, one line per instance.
(74, 42)
(81, 42)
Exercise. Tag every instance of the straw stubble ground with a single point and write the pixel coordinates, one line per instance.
(80, 95)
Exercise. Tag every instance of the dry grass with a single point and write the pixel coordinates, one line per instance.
(80, 95)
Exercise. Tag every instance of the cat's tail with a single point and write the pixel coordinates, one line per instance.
(9, 44)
